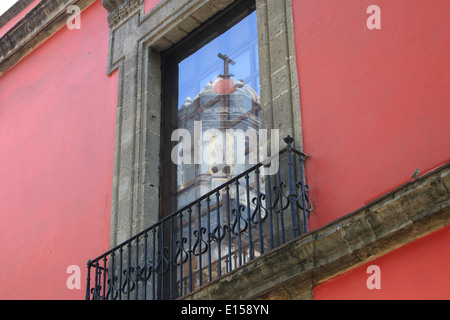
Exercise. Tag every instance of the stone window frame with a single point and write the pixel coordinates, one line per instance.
(135, 43)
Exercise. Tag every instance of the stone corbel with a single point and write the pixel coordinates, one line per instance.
(119, 10)
(111, 5)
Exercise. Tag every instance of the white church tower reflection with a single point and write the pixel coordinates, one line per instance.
(225, 103)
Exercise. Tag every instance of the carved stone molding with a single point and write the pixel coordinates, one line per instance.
(13, 11)
(118, 10)
(111, 5)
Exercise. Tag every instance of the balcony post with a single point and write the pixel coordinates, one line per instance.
(88, 281)
(291, 177)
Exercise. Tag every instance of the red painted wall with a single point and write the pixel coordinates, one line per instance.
(57, 128)
(375, 106)
(149, 5)
(375, 103)
(418, 270)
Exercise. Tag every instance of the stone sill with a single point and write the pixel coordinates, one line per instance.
(407, 213)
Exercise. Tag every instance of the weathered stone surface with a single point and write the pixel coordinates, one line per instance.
(119, 10)
(111, 5)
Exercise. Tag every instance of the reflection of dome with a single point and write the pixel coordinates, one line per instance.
(229, 85)
(240, 96)
(222, 104)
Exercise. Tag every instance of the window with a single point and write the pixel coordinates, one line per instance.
(146, 51)
(211, 91)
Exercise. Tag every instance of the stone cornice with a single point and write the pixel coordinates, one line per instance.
(290, 272)
(14, 11)
(36, 27)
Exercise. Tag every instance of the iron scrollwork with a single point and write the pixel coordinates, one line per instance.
(230, 230)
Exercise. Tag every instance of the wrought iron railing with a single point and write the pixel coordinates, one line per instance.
(249, 215)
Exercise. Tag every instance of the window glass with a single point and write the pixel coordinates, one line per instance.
(218, 92)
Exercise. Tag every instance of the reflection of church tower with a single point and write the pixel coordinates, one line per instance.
(222, 104)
